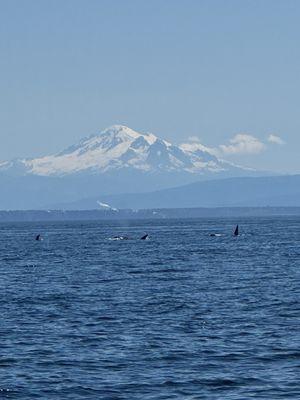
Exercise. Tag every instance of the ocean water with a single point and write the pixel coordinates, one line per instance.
(180, 316)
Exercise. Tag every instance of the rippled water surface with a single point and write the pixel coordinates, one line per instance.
(180, 316)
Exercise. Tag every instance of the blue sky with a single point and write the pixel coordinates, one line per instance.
(226, 72)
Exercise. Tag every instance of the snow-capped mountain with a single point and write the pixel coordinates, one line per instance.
(120, 147)
(117, 160)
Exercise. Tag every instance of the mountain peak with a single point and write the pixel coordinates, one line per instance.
(125, 132)
(121, 148)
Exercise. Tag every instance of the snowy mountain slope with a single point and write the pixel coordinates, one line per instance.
(120, 147)
(117, 160)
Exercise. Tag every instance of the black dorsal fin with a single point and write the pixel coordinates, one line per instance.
(236, 232)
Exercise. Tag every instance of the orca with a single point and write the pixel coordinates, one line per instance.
(120, 238)
(236, 231)
(144, 237)
(215, 234)
(38, 237)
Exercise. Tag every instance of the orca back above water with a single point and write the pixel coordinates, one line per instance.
(120, 238)
(145, 237)
(38, 237)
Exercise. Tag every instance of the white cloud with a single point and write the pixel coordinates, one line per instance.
(275, 139)
(242, 144)
(194, 144)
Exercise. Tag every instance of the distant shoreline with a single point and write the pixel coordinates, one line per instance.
(162, 213)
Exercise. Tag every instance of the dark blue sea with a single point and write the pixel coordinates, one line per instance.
(179, 316)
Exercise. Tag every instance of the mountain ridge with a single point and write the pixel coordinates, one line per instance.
(114, 161)
(232, 192)
(120, 147)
